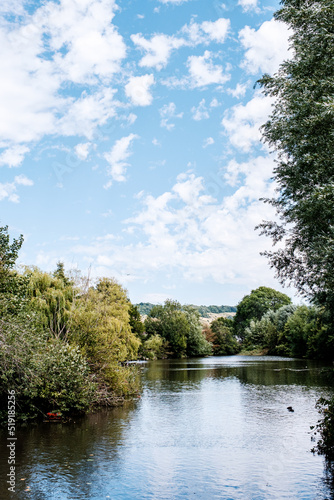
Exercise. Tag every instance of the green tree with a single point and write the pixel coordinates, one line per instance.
(13, 286)
(255, 305)
(100, 327)
(52, 297)
(223, 338)
(300, 130)
(136, 324)
(180, 327)
(197, 345)
(8, 252)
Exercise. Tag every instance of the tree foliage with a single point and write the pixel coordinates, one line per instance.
(223, 338)
(255, 305)
(180, 327)
(52, 296)
(300, 130)
(12, 285)
(100, 327)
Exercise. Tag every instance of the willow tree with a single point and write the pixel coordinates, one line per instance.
(100, 326)
(300, 129)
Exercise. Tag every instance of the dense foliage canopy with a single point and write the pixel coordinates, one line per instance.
(301, 131)
(255, 305)
(180, 327)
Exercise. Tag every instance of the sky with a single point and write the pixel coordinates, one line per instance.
(130, 143)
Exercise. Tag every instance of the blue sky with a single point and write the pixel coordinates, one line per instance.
(130, 144)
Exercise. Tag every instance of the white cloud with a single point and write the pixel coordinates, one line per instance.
(23, 180)
(167, 113)
(131, 118)
(208, 142)
(12, 7)
(200, 112)
(61, 43)
(9, 189)
(87, 45)
(242, 122)
(207, 239)
(239, 91)
(217, 30)
(248, 5)
(82, 150)
(158, 49)
(203, 72)
(266, 48)
(214, 103)
(87, 112)
(117, 158)
(138, 90)
(207, 31)
(14, 156)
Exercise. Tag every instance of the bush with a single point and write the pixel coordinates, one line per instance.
(45, 374)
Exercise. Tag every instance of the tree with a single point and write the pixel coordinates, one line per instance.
(100, 326)
(12, 285)
(197, 345)
(8, 252)
(52, 297)
(223, 339)
(254, 305)
(180, 327)
(136, 324)
(300, 130)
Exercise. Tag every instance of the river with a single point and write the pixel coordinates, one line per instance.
(204, 428)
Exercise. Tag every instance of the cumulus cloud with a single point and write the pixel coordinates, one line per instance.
(14, 156)
(207, 31)
(87, 112)
(217, 30)
(158, 49)
(138, 90)
(242, 122)
(9, 189)
(207, 239)
(60, 43)
(87, 43)
(82, 150)
(266, 48)
(248, 4)
(117, 157)
(239, 91)
(203, 72)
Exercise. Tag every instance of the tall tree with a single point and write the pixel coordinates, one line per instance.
(12, 285)
(180, 327)
(300, 130)
(255, 305)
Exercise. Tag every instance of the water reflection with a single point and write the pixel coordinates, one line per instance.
(203, 428)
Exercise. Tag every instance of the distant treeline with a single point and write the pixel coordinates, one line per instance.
(204, 311)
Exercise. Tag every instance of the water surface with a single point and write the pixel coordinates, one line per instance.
(206, 428)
